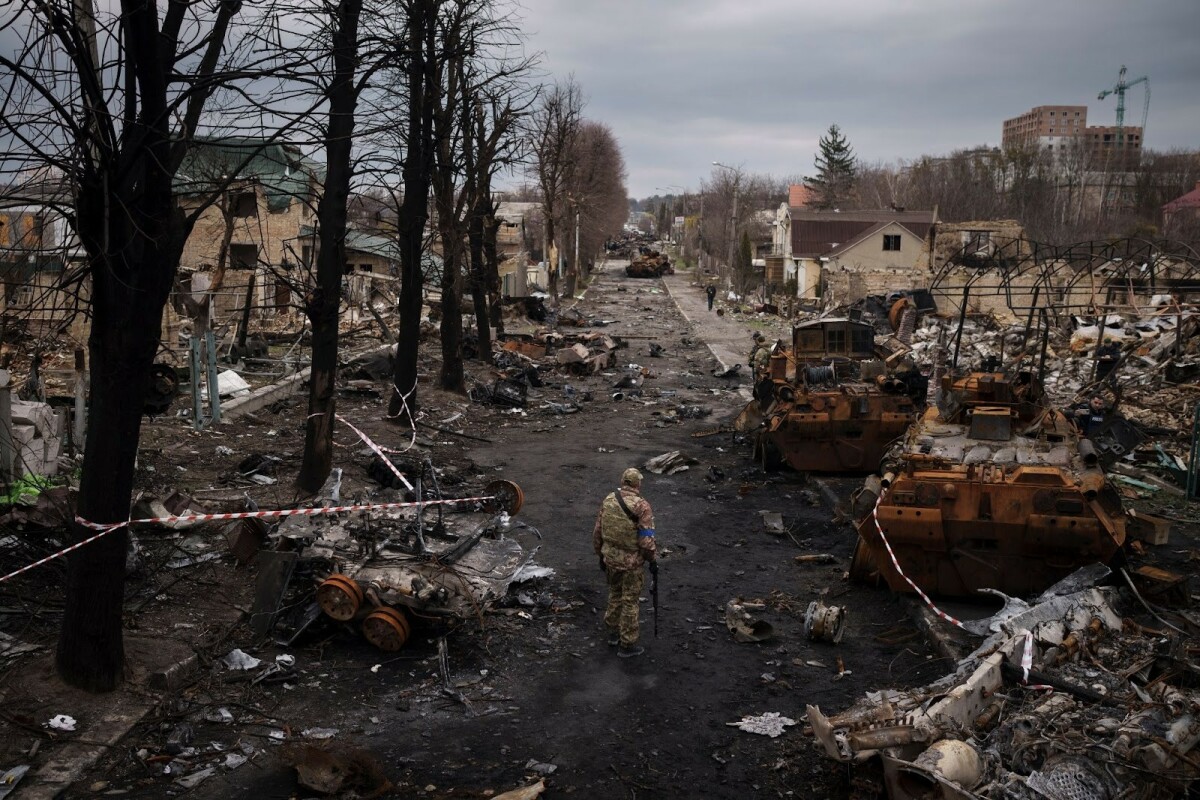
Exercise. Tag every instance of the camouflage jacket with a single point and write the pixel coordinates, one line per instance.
(623, 544)
(761, 360)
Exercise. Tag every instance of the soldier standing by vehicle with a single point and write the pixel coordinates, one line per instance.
(623, 538)
(760, 342)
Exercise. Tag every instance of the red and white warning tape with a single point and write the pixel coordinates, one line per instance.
(900, 572)
(377, 450)
(1026, 655)
(106, 528)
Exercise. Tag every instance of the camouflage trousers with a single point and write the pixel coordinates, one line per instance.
(624, 587)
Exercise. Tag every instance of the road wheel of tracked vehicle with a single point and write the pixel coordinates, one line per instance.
(504, 496)
(862, 565)
(767, 454)
(387, 628)
(340, 597)
(163, 386)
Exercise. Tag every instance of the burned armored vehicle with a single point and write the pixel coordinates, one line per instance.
(830, 404)
(991, 489)
(649, 264)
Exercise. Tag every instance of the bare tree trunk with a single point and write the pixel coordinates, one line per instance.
(246, 308)
(422, 85)
(479, 283)
(452, 376)
(322, 308)
(491, 256)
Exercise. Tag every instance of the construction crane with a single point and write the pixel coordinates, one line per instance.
(1119, 91)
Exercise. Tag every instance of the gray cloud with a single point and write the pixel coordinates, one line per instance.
(756, 82)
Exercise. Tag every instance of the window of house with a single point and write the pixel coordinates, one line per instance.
(364, 267)
(243, 256)
(891, 241)
(862, 340)
(835, 340)
(243, 204)
(978, 241)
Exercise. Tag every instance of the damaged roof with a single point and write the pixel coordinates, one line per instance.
(280, 168)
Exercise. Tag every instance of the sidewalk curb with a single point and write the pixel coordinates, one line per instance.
(75, 758)
(78, 755)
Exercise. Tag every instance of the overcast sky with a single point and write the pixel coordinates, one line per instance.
(754, 83)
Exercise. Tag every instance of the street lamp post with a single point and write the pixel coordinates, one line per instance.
(733, 217)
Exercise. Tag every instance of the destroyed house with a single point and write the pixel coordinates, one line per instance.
(263, 194)
(38, 247)
(514, 249)
(844, 256)
(1183, 212)
(365, 253)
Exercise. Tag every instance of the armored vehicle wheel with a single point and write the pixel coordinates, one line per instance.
(339, 597)
(387, 628)
(767, 454)
(862, 564)
(505, 496)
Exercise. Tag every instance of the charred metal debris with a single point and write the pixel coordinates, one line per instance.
(1077, 695)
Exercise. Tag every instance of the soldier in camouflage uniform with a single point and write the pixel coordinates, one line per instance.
(623, 541)
(762, 359)
(760, 341)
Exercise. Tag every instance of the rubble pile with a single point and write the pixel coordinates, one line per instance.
(37, 433)
(1068, 698)
(522, 359)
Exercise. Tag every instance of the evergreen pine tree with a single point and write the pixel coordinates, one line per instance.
(837, 171)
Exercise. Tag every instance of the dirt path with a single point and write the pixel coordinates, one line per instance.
(544, 694)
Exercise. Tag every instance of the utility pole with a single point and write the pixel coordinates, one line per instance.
(578, 272)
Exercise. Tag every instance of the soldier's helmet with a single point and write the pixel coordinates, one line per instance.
(631, 477)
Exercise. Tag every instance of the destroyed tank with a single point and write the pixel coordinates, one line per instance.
(838, 409)
(649, 264)
(992, 489)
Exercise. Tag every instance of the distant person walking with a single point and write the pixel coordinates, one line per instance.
(623, 538)
(711, 291)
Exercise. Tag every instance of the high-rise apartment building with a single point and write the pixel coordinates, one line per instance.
(1059, 127)
(1045, 125)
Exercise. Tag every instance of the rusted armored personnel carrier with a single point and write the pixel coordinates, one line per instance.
(830, 405)
(993, 489)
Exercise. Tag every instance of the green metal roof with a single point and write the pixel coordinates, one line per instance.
(280, 168)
